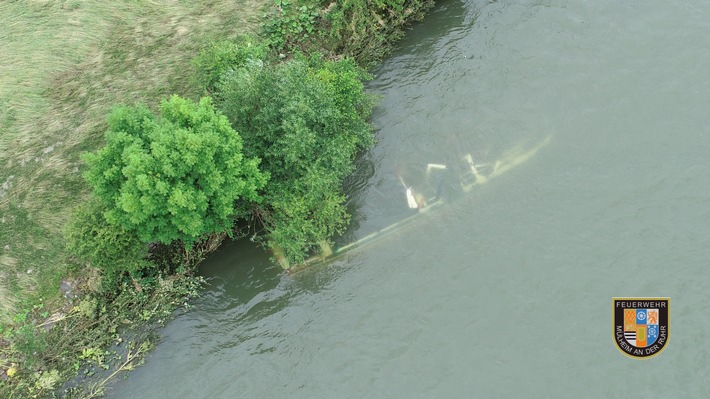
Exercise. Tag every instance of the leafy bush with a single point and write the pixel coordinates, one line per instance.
(173, 177)
(108, 247)
(306, 119)
(220, 56)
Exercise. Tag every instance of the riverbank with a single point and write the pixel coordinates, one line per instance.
(57, 319)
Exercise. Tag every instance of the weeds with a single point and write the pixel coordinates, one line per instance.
(363, 30)
(75, 339)
(288, 24)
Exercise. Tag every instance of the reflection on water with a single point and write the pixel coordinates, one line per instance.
(505, 292)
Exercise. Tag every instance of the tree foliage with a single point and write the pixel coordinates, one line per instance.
(306, 119)
(177, 176)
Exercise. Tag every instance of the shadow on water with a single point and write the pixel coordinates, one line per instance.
(244, 285)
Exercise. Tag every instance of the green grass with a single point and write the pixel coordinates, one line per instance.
(64, 65)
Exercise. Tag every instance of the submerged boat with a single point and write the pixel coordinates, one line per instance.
(434, 192)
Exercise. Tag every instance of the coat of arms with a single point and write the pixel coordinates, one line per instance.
(641, 325)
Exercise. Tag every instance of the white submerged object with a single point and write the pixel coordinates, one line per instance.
(431, 166)
(411, 201)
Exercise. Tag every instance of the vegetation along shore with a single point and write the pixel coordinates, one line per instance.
(136, 136)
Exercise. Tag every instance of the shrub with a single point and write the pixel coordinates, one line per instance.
(173, 177)
(221, 56)
(108, 247)
(306, 119)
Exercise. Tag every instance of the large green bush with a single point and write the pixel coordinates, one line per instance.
(306, 119)
(177, 176)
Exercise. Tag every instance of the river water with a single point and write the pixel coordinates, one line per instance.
(506, 291)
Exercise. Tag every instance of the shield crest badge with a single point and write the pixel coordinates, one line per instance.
(641, 326)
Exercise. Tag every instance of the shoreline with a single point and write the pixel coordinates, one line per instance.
(60, 336)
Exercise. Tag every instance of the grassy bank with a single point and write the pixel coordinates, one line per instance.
(65, 65)
(68, 63)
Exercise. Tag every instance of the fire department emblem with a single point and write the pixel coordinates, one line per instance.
(641, 325)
